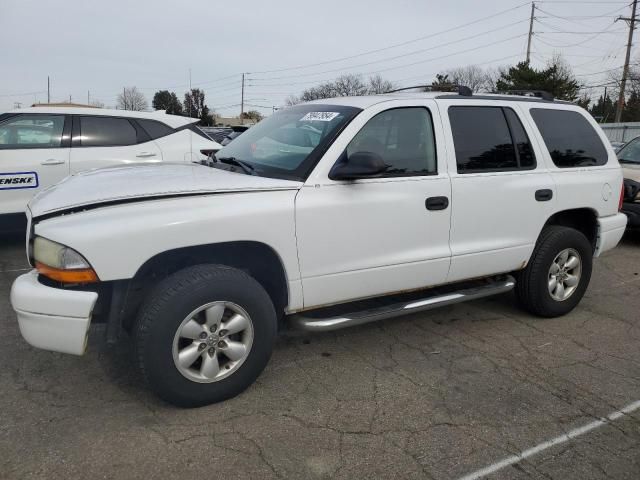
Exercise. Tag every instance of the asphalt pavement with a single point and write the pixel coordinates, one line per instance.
(467, 390)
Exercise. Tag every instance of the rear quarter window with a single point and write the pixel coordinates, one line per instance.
(570, 138)
(154, 128)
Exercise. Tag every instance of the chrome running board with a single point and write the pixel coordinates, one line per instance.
(308, 323)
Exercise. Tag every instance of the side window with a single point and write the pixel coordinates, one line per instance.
(403, 137)
(524, 150)
(570, 139)
(154, 128)
(31, 131)
(489, 139)
(106, 131)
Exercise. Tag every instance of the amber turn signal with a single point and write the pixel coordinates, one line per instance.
(83, 275)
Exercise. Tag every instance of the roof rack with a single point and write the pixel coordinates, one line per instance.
(461, 89)
(529, 93)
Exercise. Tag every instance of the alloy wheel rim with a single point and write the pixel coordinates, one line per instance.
(213, 342)
(564, 274)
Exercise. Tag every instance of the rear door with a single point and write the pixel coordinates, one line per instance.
(34, 154)
(102, 141)
(502, 191)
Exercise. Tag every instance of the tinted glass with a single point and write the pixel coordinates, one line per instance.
(403, 137)
(482, 139)
(526, 157)
(630, 153)
(154, 128)
(31, 131)
(570, 139)
(284, 144)
(106, 131)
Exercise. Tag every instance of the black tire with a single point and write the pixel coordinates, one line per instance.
(170, 303)
(532, 288)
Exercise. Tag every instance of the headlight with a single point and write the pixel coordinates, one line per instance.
(61, 263)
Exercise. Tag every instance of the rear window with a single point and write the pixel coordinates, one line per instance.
(570, 138)
(106, 131)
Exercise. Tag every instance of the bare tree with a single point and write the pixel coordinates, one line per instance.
(343, 86)
(378, 85)
(349, 85)
(292, 100)
(96, 104)
(472, 76)
(132, 99)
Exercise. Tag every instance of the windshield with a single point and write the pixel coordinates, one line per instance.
(630, 153)
(289, 143)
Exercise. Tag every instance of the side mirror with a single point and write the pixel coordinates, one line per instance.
(358, 165)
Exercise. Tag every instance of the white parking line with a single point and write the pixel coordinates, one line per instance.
(551, 443)
(15, 270)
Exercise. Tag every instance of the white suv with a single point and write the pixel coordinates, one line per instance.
(325, 215)
(40, 146)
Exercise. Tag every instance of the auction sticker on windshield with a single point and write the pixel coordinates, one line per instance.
(17, 180)
(319, 116)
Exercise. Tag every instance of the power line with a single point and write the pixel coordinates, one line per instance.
(404, 65)
(583, 2)
(26, 94)
(415, 52)
(309, 65)
(598, 73)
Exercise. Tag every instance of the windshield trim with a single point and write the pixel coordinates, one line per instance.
(302, 172)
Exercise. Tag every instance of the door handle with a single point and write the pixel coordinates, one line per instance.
(145, 154)
(544, 195)
(52, 161)
(436, 203)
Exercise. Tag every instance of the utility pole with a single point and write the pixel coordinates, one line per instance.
(190, 94)
(625, 71)
(88, 102)
(242, 103)
(533, 9)
(48, 90)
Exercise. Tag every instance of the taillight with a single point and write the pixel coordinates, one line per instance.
(621, 197)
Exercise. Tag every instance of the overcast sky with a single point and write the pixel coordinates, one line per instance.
(100, 47)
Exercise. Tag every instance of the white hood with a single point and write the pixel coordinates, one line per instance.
(146, 181)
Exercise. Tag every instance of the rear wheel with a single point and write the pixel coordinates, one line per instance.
(558, 273)
(204, 335)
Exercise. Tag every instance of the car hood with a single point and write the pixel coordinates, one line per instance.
(138, 182)
(631, 172)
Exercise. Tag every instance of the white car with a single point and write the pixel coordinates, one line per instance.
(40, 146)
(403, 202)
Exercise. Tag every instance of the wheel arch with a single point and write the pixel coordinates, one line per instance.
(257, 259)
(584, 220)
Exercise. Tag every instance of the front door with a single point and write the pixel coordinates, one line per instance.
(34, 154)
(374, 236)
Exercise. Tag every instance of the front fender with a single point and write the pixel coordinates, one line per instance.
(117, 240)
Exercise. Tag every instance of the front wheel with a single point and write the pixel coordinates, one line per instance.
(558, 273)
(204, 335)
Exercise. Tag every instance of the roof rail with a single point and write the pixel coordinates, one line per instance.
(529, 93)
(461, 89)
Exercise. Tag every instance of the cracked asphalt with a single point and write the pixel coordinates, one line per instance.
(435, 395)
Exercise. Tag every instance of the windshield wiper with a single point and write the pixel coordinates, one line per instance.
(248, 169)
